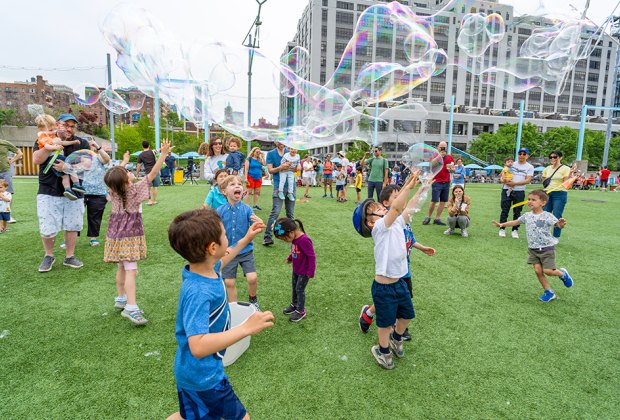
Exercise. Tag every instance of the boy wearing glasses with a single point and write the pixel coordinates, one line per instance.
(522, 173)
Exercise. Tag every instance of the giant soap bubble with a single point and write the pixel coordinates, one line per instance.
(79, 162)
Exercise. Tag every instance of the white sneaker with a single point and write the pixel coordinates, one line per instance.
(449, 232)
(12, 220)
(515, 234)
(464, 233)
(502, 233)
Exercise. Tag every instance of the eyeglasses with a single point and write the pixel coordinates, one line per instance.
(374, 214)
(70, 127)
(522, 153)
(553, 157)
(217, 144)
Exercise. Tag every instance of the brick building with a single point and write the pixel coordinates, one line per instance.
(18, 95)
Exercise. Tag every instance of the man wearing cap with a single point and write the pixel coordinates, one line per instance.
(275, 166)
(441, 186)
(56, 212)
(377, 173)
(5, 165)
(522, 173)
(345, 166)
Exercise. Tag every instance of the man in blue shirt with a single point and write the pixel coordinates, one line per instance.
(275, 166)
(237, 217)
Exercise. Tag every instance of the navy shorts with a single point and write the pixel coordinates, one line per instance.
(441, 192)
(392, 301)
(5, 216)
(217, 403)
(339, 187)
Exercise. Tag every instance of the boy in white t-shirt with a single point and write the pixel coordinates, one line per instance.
(390, 294)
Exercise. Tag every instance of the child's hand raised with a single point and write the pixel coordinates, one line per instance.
(165, 147)
(258, 322)
(412, 181)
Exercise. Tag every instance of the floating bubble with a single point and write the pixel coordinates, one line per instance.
(79, 162)
(479, 31)
(424, 158)
(87, 94)
(133, 97)
(113, 102)
(35, 110)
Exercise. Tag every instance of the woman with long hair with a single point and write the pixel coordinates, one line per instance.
(254, 175)
(215, 152)
(328, 178)
(553, 177)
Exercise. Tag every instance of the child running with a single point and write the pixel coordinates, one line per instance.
(237, 218)
(389, 291)
(203, 318)
(303, 258)
(48, 140)
(215, 198)
(125, 243)
(5, 206)
(541, 244)
(388, 194)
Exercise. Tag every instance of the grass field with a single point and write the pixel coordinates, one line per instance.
(483, 345)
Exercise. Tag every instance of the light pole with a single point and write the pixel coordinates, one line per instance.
(615, 32)
(251, 43)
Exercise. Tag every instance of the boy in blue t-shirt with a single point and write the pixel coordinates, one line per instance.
(203, 320)
(237, 218)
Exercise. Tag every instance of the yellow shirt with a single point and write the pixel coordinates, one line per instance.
(507, 173)
(558, 177)
(358, 181)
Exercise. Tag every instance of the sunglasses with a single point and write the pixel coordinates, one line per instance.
(217, 144)
(442, 149)
(553, 157)
(522, 153)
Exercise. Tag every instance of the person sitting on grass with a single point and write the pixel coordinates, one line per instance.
(215, 198)
(458, 211)
(237, 218)
(303, 258)
(203, 317)
(389, 291)
(541, 244)
(388, 194)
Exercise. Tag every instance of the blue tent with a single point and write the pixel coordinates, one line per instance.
(190, 154)
(491, 167)
(473, 166)
(539, 169)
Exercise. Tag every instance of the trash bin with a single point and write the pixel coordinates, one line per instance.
(178, 176)
(239, 313)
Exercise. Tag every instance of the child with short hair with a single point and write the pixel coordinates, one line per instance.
(395, 175)
(125, 243)
(303, 258)
(506, 175)
(215, 198)
(389, 291)
(388, 194)
(358, 184)
(48, 140)
(235, 159)
(237, 218)
(341, 181)
(203, 317)
(287, 176)
(5, 206)
(458, 211)
(541, 244)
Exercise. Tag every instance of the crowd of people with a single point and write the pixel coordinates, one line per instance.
(218, 239)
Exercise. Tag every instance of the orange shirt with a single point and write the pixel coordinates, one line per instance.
(45, 137)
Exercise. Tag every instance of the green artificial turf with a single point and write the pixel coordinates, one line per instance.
(483, 345)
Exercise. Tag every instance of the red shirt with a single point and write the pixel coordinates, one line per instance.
(444, 175)
(605, 174)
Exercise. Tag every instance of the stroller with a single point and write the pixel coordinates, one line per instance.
(166, 176)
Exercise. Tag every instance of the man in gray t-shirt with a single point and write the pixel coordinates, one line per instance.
(522, 173)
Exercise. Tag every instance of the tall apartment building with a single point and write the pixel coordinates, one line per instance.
(326, 26)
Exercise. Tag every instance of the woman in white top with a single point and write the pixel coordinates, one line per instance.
(306, 175)
(215, 152)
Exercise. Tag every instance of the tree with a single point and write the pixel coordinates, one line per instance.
(496, 146)
(357, 150)
(7, 117)
(127, 137)
(144, 129)
(173, 120)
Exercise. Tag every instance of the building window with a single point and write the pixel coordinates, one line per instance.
(361, 7)
(433, 126)
(345, 33)
(324, 31)
(344, 5)
(346, 18)
(325, 3)
(324, 15)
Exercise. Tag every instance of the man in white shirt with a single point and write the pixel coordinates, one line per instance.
(522, 173)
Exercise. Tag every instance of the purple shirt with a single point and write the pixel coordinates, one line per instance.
(303, 256)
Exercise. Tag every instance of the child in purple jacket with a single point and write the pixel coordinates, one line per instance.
(304, 263)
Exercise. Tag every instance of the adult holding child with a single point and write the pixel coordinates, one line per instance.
(254, 176)
(377, 172)
(96, 191)
(553, 177)
(215, 157)
(513, 191)
(55, 211)
(441, 186)
(275, 166)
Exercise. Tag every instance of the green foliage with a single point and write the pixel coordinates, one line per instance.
(184, 142)
(173, 119)
(7, 116)
(144, 129)
(103, 131)
(496, 146)
(127, 137)
(357, 150)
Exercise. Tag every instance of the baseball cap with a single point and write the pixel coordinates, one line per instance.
(67, 117)
(524, 149)
(359, 218)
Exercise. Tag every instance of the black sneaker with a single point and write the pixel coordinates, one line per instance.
(70, 194)
(255, 303)
(438, 222)
(267, 242)
(297, 316)
(78, 188)
(365, 321)
(73, 262)
(426, 221)
(46, 264)
(289, 309)
(406, 336)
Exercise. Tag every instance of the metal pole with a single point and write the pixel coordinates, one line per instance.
(156, 111)
(205, 110)
(614, 87)
(377, 121)
(519, 128)
(582, 128)
(451, 124)
(250, 58)
(111, 114)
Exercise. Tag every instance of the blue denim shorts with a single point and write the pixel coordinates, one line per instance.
(217, 403)
(392, 301)
(5, 216)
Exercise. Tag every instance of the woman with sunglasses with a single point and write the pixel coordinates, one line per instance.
(215, 152)
(556, 173)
